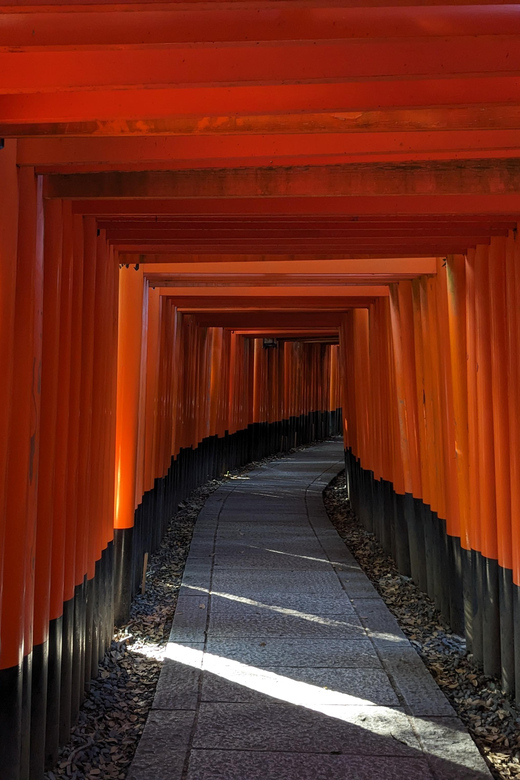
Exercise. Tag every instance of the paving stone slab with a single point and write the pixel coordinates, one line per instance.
(189, 623)
(274, 651)
(357, 585)
(162, 750)
(376, 617)
(338, 553)
(244, 765)
(184, 601)
(288, 561)
(263, 533)
(450, 751)
(266, 623)
(157, 765)
(274, 547)
(263, 505)
(413, 681)
(177, 687)
(269, 537)
(280, 582)
(373, 731)
(199, 553)
(304, 606)
(419, 691)
(199, 577)
(307, 685)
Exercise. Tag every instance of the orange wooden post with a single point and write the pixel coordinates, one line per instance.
(456, 301)
(9, 210)
(232, 369)
(475, 628)
(95, 455)
(428, 401)
(85, 234)
(127, 420)
(257, 380)
(405, 371)
(500, 388)
(110, 433)
(224, 383)
(22, 482)
(452, 554)
(375, 411)
(57, 635)
(447, 404)
(152, 374)
(435, 379)
(177, 366)
(173, 434)
(513, 336)
(437, 364)
(8, 254)
(103, 623)
(404, 353)
(48, 413)
(382, 356)
(423, 440)
(163, 431)
(68, 702)
(487, 574)
(141, 424)
(97, 589)
(457, 316)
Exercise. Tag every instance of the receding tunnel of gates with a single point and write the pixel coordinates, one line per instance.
(271, 664)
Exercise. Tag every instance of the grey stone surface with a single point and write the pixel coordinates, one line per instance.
(283, 727)
(418, 690)
(304, 605)
(290, 562)
(341, 653)
(157, 764)
(177, 688)
(189, 622)
(265, 623)
(274, 511)
(310, 685)
(276, 549)
(244, 765)
(375, 616)
(161, 753)
(199, 577)
(357, 584)
(451, 753)
(281, 582)
(284, 663)
(188, 601)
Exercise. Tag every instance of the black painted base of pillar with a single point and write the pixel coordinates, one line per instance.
(474, 594)
(11, 692)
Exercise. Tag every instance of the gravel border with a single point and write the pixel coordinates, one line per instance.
(491, 716)
(113, 715)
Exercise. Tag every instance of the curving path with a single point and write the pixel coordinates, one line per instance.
(283, 660)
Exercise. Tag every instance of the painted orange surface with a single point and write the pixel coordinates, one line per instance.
(343, 179)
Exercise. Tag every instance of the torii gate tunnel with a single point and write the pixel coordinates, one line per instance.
(183, 184)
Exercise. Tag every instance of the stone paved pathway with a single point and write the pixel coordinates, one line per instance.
(283, 660)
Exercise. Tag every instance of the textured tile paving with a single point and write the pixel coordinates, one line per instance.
(283, 661)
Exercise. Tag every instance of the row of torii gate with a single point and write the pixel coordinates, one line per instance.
(226, 229)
